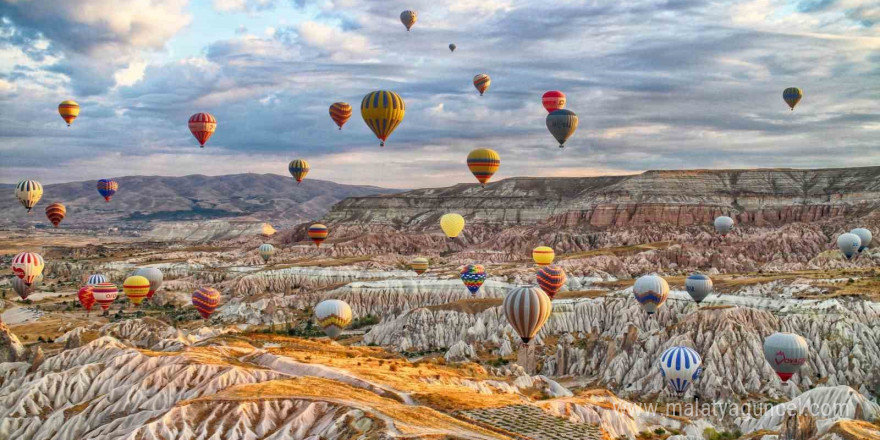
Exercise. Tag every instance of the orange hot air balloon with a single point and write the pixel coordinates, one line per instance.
(68, 110)
(318, 233)
(55, 213)
(202, 126)
(483, 163)
(340, 112)
(136, 289)
(482, 82)
(86, 297)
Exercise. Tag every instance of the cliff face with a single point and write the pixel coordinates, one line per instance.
(682, 198)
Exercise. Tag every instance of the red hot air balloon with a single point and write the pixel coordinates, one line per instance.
(86, 297)
(202, 126)
(553, 100)
(55, 213)
(105, 294)
(206, 300)
(551, 279)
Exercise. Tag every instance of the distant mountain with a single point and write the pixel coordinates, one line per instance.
(142, 200)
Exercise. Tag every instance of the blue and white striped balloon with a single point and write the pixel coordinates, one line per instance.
(96, 279)
(680, 367)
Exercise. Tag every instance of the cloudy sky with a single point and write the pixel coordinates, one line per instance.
(665, 84)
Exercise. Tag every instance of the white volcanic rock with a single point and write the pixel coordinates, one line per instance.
(460, 352)
(826, 405)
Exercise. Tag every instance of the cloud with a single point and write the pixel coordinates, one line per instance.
(244, 5)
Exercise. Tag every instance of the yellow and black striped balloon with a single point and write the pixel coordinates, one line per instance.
(382, 111)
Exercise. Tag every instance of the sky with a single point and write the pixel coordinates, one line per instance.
(657, 84)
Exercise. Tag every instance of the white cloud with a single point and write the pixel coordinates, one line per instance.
(340, 44)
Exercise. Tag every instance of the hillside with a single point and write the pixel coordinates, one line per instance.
(145, 199)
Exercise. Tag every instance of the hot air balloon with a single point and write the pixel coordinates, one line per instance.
(483, 163)
(562, 124)
(28, 193)
(68, 110)
(86, 297)
(153, 275)
(202, 126)
(723, 225)
(136, 288)
(382, 111)
(785, 352)
(651, 292)
(527, 309)
(551, 279)
(105, 294)
(22, 289)
(419, 265)
(27, 266)
(482, 82)
(267, 230)
(452, 47)
(340, 112)
(298, 169)
(849, 244)
(792, 96)
(473, 276)
(96, 279)
(107, 188)
(266, 251)
(452, 224)
(543, 255)
(553, 100)
(206, 300)
(318, 233)
(408, 18)
(698, 286)
(333, 316)
(865, 237)
(680, 367)
(55, 213)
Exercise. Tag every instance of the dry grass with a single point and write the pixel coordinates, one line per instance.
(856, 430)
(619, 250)
(410, 420)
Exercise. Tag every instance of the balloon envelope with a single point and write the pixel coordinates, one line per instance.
(792, 96)
(28, 192)
(483, 163)
(473, 276)
(849, 244)
(206, 300)
(155, 277)
(340, 112)
(698, 286)
(553, 100)
(865, 236)
(482, 82)
(202, 126)
(55, 213)
(543, 255)
(27, 266)
(680, 367)
(419, 265)
(383, 111)
(86, 297)
(651, 292)
(723, 225)
(333, 316)
(298, 168)
(527, 309)
(107, 188)
(68, 110)
(96, 279)
(551, 279)
(22, 289)
(786, 353)
(266, 251)
(136, 289)
(105, 294)
(408, 18)
(452, 47)
(452, 224)
(318, 233)
(562, 124)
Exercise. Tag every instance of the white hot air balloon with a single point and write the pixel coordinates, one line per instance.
(651, 292)
(527, 309)
(849, 244)
(27, 266)
(698, 286)
(96, 279)
(266, 251)
(865, 236)
(786, 353)
(680, 367)
(333, 316)
(723, 225)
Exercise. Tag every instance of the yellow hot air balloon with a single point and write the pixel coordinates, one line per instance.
(298, 169)
(543, 255)
(267, 230)
(68, 110)
(483, 163)
(29, 192)
(382, 111)
(136, 289)
(452, 224)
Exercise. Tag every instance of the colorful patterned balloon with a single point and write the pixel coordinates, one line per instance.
(551, 279)
(408, 18)
(154, 275)
(333, 316)
(482, 82)
(105, 294)
(340, 112)
(27, 266)
(107, 188)
(202, 126)
(483, 163)
(527, 308)
(318, 233)
(55, 213)
(651, 292)
(298, 169)
(68, 110)
(206, 300)
(419, 265)
(792, 96)
(136, 289)
(29, 192)
(86, 296)
(553, 100)
(266, 251)
(473, 276)
(383, 111)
